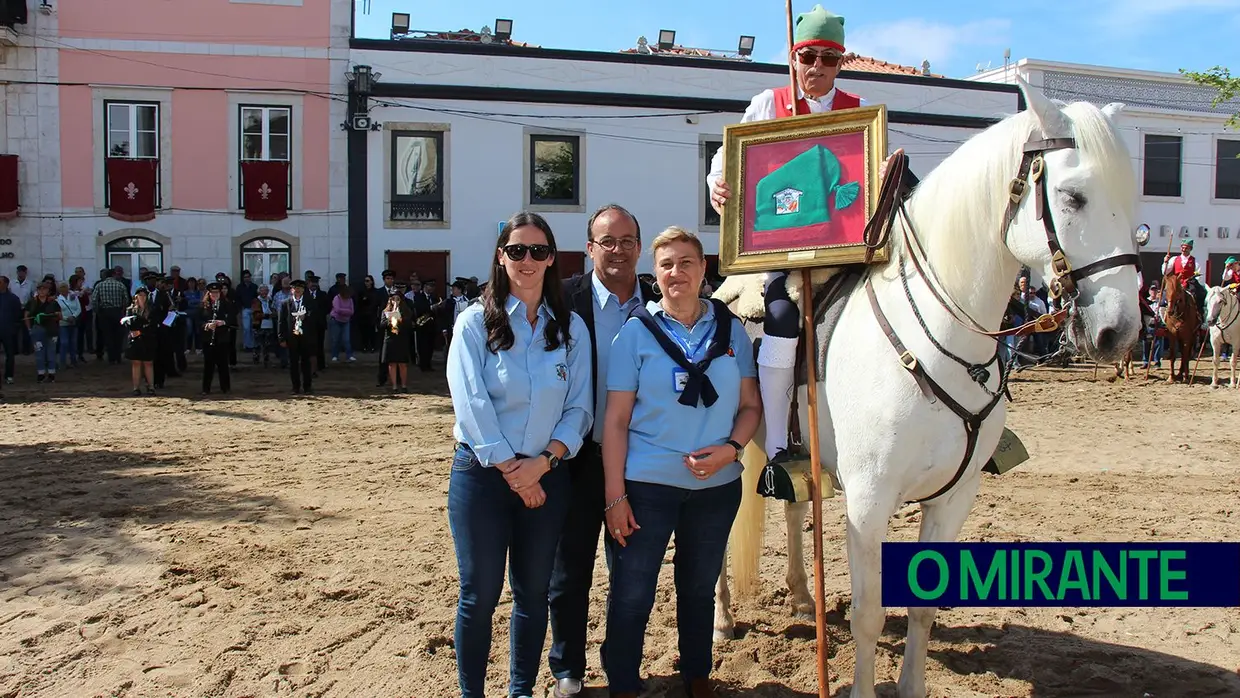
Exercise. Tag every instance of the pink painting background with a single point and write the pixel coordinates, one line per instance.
(845, 227)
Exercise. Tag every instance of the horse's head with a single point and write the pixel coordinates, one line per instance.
(1218, 299)
(1075, 218)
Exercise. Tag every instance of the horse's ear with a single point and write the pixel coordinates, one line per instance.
(1112, 110)
(1051, 119)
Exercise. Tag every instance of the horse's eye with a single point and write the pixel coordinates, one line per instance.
(1075, 200)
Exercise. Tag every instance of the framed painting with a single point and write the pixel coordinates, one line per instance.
(803, 189)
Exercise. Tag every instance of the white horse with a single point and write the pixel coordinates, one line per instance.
(1222, 313)
(881, 439)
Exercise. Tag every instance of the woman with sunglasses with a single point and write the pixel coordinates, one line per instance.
(520, 375)
(817, 53)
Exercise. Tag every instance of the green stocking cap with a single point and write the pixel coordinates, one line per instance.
(819, 28)
(802, 191)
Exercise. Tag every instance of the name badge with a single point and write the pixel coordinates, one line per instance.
(680, 379)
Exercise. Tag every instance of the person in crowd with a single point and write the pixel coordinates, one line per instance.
(263, 315)
(396, 323)
(193, 315)
(11, 323)
(340, 318)
(84, 336)
(519, 375)
(23, 288)
(297, 333)
(682, 398)
(217, 334)
(141, 346)
(43, 324)
(322, 308)
(242, 299)
(70, 315)
(111, 300)
(603, 299)
(365, 312)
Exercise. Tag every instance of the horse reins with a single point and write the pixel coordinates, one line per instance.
(1063, 284)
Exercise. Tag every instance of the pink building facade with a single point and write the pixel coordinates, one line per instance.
(135, 123)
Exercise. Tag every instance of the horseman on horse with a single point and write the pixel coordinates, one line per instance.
(819, 50)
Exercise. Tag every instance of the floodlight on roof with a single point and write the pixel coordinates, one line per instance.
(503, 29)
(400, 23)
(745, 47)
(667, 39)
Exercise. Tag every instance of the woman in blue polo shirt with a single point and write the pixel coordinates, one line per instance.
(520, 376)
(671, 448)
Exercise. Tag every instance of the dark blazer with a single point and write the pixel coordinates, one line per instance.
(221, 335)
(579, 295)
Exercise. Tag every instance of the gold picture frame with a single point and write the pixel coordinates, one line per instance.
(834, 157)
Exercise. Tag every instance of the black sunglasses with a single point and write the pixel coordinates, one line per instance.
(516, 253)
(828, 59)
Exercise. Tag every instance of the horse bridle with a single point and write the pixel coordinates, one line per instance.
(1033, 168)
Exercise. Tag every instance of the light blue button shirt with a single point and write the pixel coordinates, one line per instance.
(662, 431)
(519, 400)
(609, 317)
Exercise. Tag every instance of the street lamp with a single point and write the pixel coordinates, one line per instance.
(362, 79)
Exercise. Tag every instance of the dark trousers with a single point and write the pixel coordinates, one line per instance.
(111, 334)
(163, 355)
(177, 340)
(215, 358)
(573, 575)
(299, 351)
(320, 337)
(701, 520)
(8, 338)
(490, 525)
(425, 340)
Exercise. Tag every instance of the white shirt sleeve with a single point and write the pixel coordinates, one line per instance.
(760, 108)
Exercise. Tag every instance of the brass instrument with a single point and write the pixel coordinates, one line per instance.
(423, 320)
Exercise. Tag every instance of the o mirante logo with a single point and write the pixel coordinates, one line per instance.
(1061, 574)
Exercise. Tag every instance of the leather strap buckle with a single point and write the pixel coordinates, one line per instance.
(1018, 189)
(908, 360)
(1037, 168)
(1046, 323)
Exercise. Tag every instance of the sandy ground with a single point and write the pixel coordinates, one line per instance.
(260, 545)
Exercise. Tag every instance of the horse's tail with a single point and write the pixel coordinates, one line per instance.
(748, 528)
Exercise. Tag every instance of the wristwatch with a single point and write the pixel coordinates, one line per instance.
(739, 448)
(552, 459)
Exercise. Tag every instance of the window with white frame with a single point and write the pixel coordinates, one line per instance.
(133, 132)
(1162, 165)
(266, 134)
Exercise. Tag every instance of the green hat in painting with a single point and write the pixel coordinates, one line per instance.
(819, 28)
(801, 191)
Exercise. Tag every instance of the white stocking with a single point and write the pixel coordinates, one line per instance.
(776, 375)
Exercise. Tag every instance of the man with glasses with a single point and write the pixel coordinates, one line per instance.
(818, 51)
(603, 298)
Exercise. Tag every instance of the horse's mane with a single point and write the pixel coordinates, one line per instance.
(958, 208)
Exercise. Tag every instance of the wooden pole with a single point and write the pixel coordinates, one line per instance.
(811, 398)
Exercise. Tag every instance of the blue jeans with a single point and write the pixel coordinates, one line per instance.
(44, 355)
(247, 329)
(68, 345)
(701, 520)
(490, 524)
(340, 337)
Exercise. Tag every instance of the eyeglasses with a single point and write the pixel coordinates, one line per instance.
(829, 60)
(610, 244)
(516, 253)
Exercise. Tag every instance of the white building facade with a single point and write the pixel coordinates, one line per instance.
(1184, 157)
(505, 128)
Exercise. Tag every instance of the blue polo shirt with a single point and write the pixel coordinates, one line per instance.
(609, 317)
(662, 431)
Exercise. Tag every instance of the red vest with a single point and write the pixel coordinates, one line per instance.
(1184, 271)
(783, 102)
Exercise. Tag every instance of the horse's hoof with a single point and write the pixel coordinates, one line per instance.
(804, 612)
(724, 635)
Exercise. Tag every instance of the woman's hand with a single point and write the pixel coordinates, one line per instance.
(533, 497)
(525, 473)
(707, 461)
(620, 522)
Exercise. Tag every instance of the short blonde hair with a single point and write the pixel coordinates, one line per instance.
(676, 234)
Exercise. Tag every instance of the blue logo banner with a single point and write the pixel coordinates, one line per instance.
(1200, 575)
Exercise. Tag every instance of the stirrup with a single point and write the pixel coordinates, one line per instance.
(786, 456)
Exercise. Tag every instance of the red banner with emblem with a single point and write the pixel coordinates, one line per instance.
(266, 189)
(131, 188)
(9, 205)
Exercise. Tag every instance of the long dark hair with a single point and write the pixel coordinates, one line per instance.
(499, 332)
